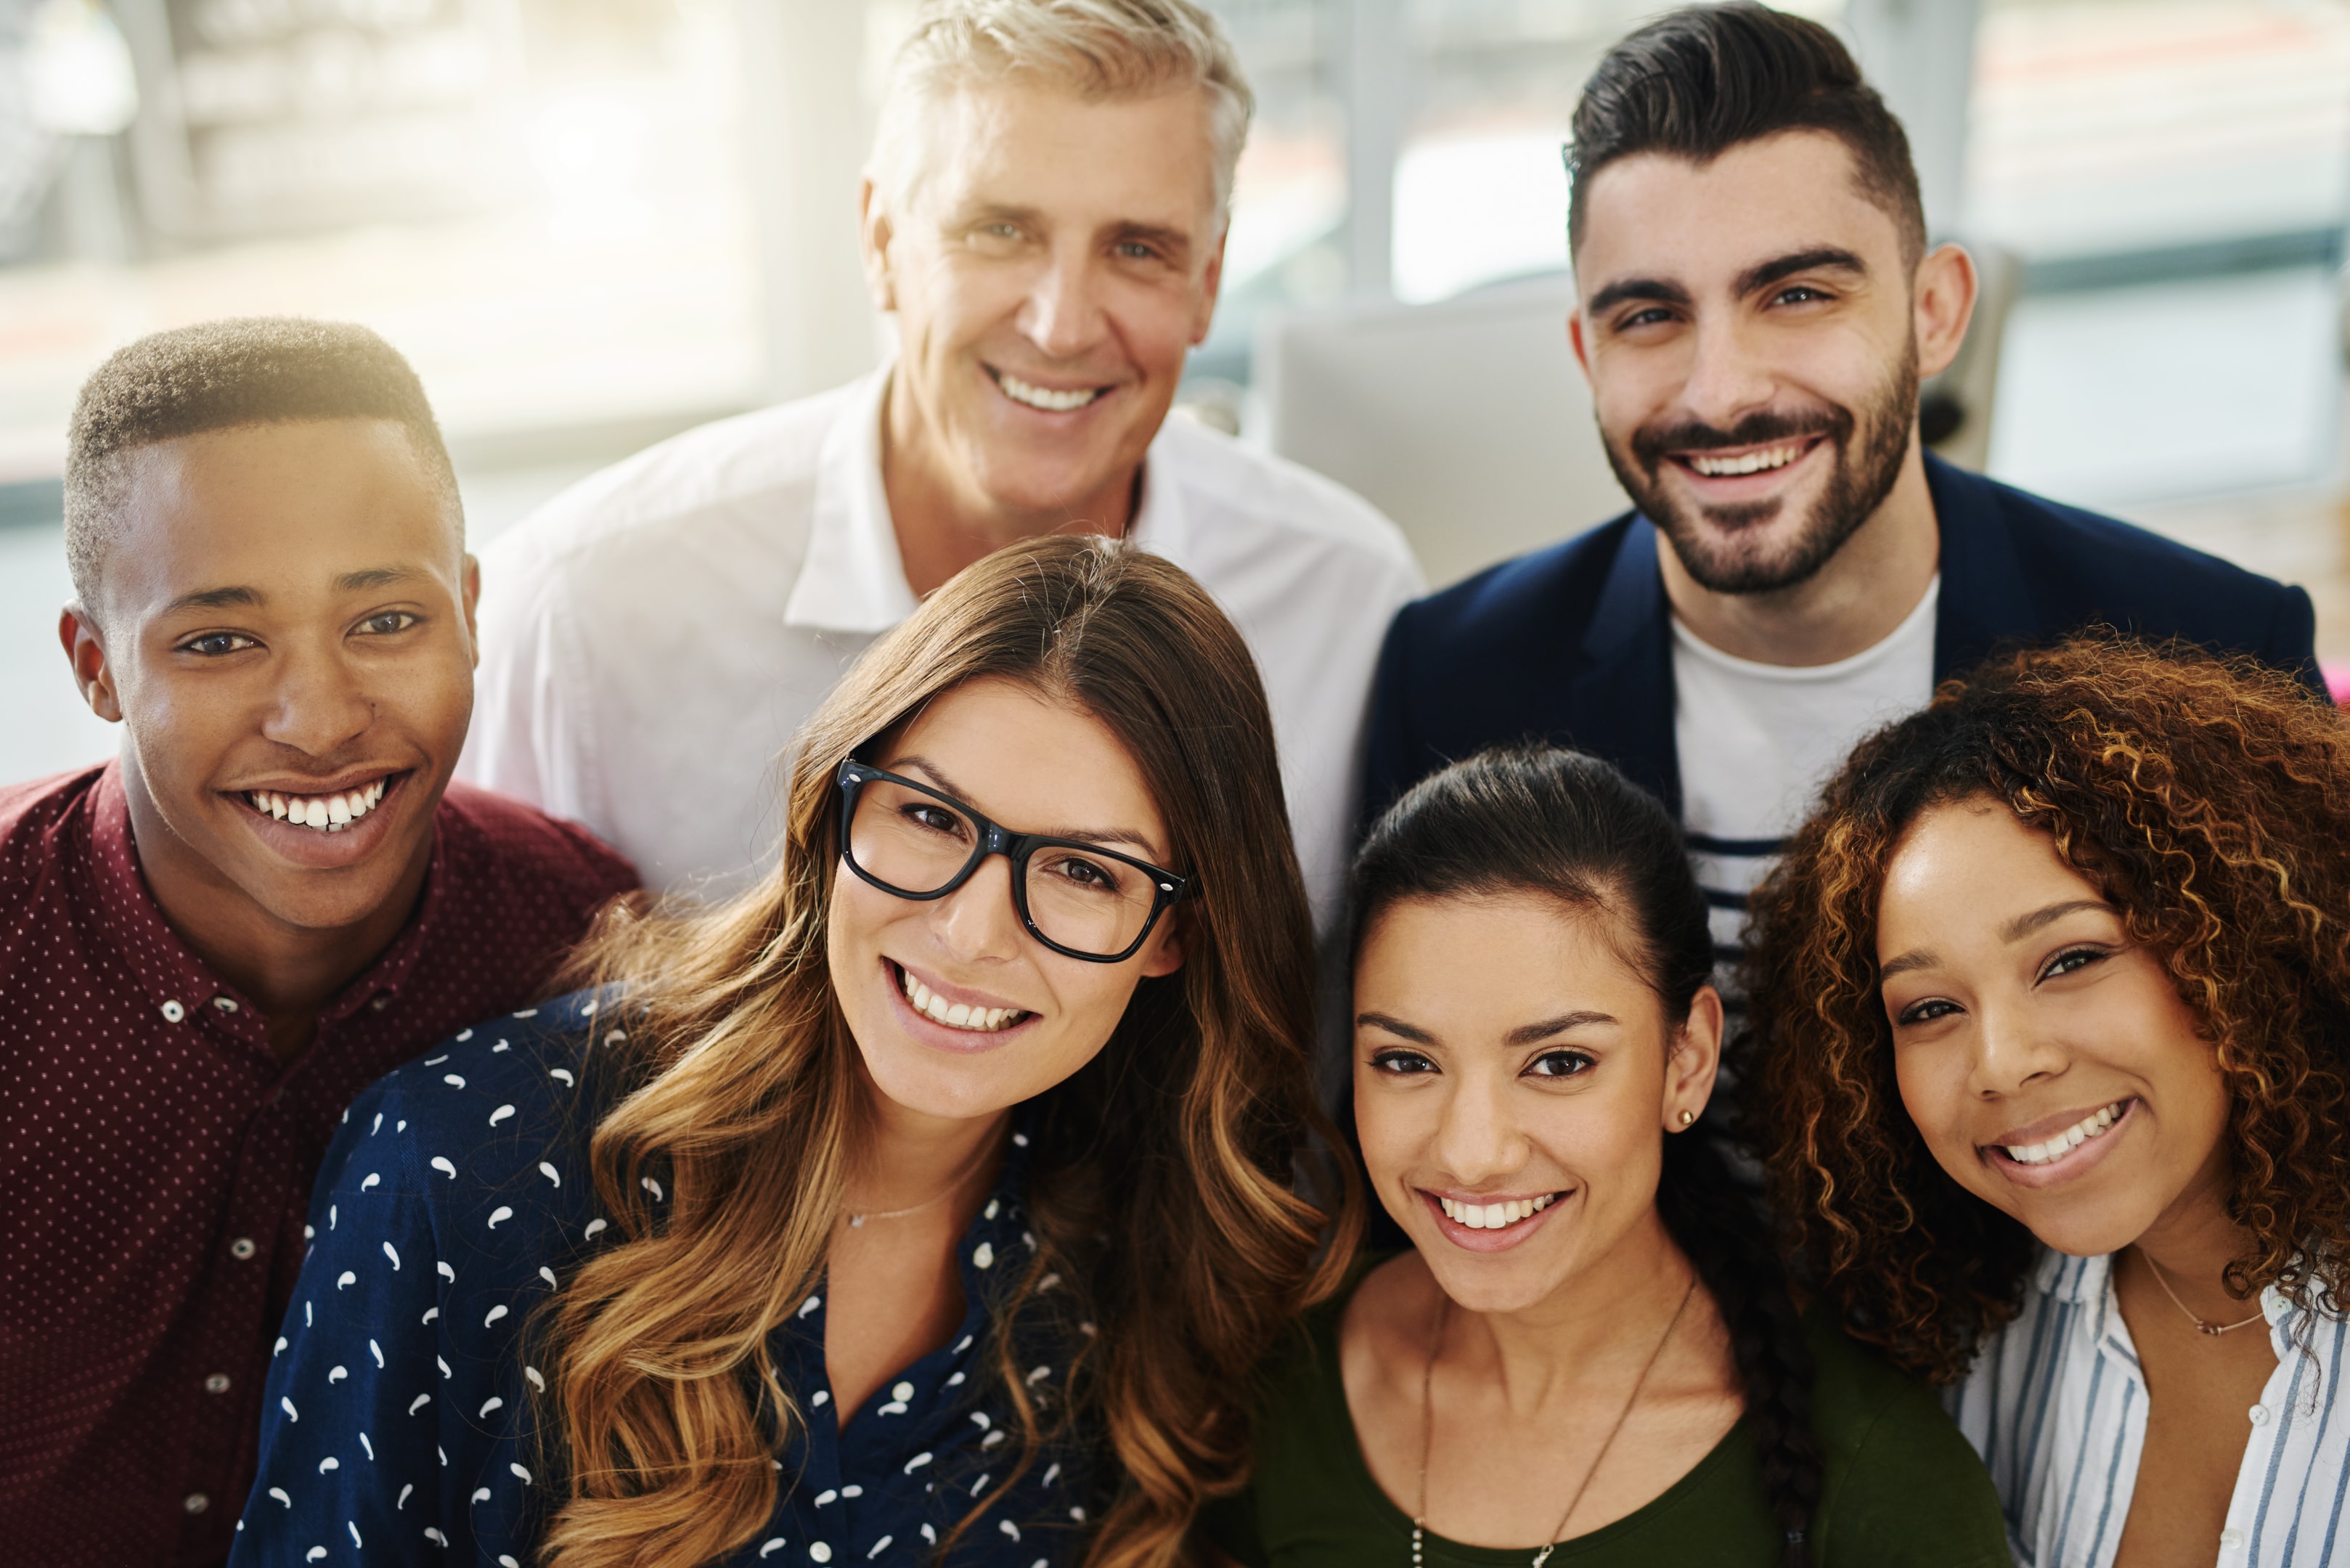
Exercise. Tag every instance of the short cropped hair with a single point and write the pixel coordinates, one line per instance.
(1099, 49)
(1699, 81)
(218, 375)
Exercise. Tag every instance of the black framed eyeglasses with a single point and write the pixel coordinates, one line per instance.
(1075, 898)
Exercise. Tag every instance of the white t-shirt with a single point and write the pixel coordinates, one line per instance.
(652, 637)
(1757, 740)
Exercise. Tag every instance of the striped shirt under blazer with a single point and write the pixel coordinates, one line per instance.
(2057, 1407)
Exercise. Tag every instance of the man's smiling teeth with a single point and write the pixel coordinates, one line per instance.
(1044, 398)
(1494, 1216)
(956, 1015)
(2070, 1138)
(1750, 463)
(326, 813)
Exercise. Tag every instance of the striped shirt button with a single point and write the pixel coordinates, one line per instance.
(2259, 1415)
(2230, 1539)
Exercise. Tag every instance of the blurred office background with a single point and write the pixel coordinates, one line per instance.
(591, 224)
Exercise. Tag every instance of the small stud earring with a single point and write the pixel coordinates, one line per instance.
(1688, 1117)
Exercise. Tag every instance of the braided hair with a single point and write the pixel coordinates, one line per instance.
(1570, 827)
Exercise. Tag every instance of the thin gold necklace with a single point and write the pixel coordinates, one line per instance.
(2202, 1324)
(1427, 1426)
(986, 1147)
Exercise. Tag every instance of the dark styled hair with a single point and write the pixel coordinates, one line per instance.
(2209, 801)
(1570, 827)
(1699, 81)
(218, 375)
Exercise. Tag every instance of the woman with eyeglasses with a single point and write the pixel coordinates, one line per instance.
(922, 1204)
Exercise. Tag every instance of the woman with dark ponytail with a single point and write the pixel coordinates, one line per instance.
(1591, 1355)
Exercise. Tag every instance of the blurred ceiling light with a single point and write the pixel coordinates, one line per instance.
(77, 74)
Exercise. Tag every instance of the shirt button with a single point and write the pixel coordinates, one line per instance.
(380, 1003)
(225, 1003)
(195, 1502)
(819, 1551)
(2259, 1415)
(903, 1392)
(242, 1248)
(216, 1384)
(2230, 1539)
(173, 1013)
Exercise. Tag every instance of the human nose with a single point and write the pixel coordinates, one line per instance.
(1728, 378)
(976, 922)
(1478, 1140)
(321, 704)
(2011, 1051)
(1063, 313)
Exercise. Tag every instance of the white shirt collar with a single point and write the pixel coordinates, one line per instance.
(853, 577)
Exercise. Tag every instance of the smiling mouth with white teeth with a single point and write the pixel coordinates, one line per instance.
(955, 1014)
(1746, 462)
(1494, 1216)
(2087, 1128)
(325, 813)
(1044, 398)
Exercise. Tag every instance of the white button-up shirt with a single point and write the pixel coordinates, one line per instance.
(2057, 1407)
(652, 637)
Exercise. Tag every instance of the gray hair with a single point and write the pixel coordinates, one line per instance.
(1101, 49)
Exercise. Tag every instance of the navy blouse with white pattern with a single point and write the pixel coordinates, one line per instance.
(455, 1199)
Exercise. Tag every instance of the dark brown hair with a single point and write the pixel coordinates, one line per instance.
(2210, 800)
(218, 375)
(1159, 1174)
(1699, 81)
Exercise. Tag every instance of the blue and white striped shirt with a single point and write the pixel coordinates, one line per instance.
(2057, 1407)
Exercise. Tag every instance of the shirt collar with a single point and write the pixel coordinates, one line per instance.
(130, 921)
(853, 578)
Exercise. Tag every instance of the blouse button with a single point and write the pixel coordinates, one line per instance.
(2259, 1415)
(2230, 1539)
(225, 1003)
(903, 1392)
(819, 1551)
(216, 1384)
(173, 1013)
(242, 1249)
(195, 1502)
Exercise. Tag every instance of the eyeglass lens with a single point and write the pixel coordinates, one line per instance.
(918, 844)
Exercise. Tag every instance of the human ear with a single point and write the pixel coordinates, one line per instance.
(1575, 341)
(1696, 1059)
(1211, 281)
(874, 231)
(473, 593)
(85, 647)
(1165, 953)
(1944, 300)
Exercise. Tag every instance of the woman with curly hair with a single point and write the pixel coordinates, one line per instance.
(2051, 1006)
(921, 1204)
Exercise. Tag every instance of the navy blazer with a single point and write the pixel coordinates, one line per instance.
(1573, 644)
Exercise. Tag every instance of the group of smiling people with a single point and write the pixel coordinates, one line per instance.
(1808, 1027)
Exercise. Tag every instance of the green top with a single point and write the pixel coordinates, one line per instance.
(1903, 1489)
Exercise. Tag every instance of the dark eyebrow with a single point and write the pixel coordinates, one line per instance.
(1395, 1026)
(2015, 930)
(374, 577)
(1763, 274)
(1082, 835)
(2022, 926)
(214, 598)
(1661, 291)
(1531, 1034)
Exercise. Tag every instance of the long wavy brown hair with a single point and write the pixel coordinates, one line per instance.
(1160, 1175)
(2209, 801)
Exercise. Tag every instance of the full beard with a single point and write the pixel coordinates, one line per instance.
(1721, 546)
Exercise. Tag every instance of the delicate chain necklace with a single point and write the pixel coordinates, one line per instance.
(1427, 1426)
(951, 1188)
(2202, 1324)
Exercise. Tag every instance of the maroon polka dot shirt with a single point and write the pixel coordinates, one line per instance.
(161, 1156)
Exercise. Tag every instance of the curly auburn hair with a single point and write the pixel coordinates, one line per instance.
(2209, 801)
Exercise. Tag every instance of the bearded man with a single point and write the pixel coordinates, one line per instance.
(1758, 305)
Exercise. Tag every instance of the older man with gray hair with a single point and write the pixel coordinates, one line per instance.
(1045, 213)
